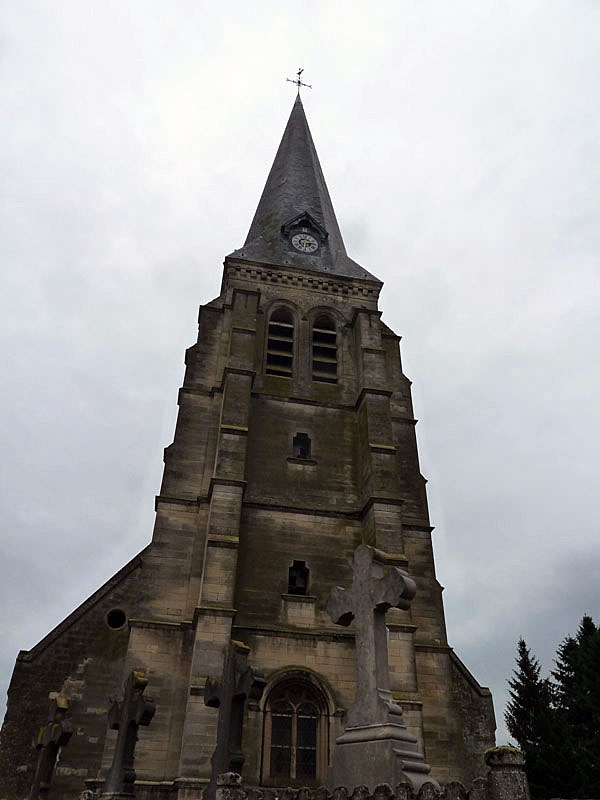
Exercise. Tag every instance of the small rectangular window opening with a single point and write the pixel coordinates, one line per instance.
(298, 578)
(301, 446)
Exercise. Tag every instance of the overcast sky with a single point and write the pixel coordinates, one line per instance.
(460, 142)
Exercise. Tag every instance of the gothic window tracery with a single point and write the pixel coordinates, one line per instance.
(296, 733)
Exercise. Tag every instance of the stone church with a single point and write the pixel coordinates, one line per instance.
(294, 444)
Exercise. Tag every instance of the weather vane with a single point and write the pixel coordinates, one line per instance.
(298, 82)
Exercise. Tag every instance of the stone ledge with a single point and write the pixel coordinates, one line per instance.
(236, 430)
(396, 559)
(386, 449)
(157, 624)
(406, 627)
(230, 542)
(371, 390)
(296, 633)
(187, 502)
(427, 647)
(299, 598)
(217, 611)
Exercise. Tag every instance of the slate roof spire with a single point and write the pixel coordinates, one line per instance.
(296, 200)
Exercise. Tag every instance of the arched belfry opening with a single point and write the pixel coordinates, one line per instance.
(324, 350)
(280, 343)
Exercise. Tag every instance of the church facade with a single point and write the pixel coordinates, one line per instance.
(295, 443)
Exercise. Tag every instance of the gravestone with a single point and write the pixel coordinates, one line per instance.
(229, 693)
(376, 746)
(126, 716)
(51, 737)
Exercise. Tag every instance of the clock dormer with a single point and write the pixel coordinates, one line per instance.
(304, 234)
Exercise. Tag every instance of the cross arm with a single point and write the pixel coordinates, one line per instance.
(251, 684)
(212, 692)
(338, 606)
(144, 711)
(395, 590)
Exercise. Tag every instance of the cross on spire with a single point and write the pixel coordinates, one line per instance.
(298, 80)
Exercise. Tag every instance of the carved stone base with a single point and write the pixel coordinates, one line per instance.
(373, 754)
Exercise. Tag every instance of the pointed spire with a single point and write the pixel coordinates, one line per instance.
(296, 200)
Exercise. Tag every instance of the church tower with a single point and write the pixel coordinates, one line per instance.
(295, 443)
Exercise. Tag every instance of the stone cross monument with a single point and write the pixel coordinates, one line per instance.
(376, 747)
(126, 716)
(52, 736)
(228, 694)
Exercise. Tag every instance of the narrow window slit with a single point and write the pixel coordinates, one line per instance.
(301, 446)
(298, 578)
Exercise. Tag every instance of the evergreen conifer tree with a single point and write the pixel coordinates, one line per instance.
(577, 676)
(529, 719)
(557, 724)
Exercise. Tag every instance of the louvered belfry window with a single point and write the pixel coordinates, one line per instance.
(324, 350)
(280, 344)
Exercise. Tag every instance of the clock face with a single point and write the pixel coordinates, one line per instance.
(305, 242)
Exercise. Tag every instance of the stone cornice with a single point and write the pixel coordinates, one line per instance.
(305, 279)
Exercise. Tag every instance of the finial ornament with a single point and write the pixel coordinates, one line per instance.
(298, 81)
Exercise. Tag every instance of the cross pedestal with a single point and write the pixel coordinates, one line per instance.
(52, 736)
(376, 746)
(126, 716)
(238, 682)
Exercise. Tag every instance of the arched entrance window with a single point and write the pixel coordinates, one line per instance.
(295, 735)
